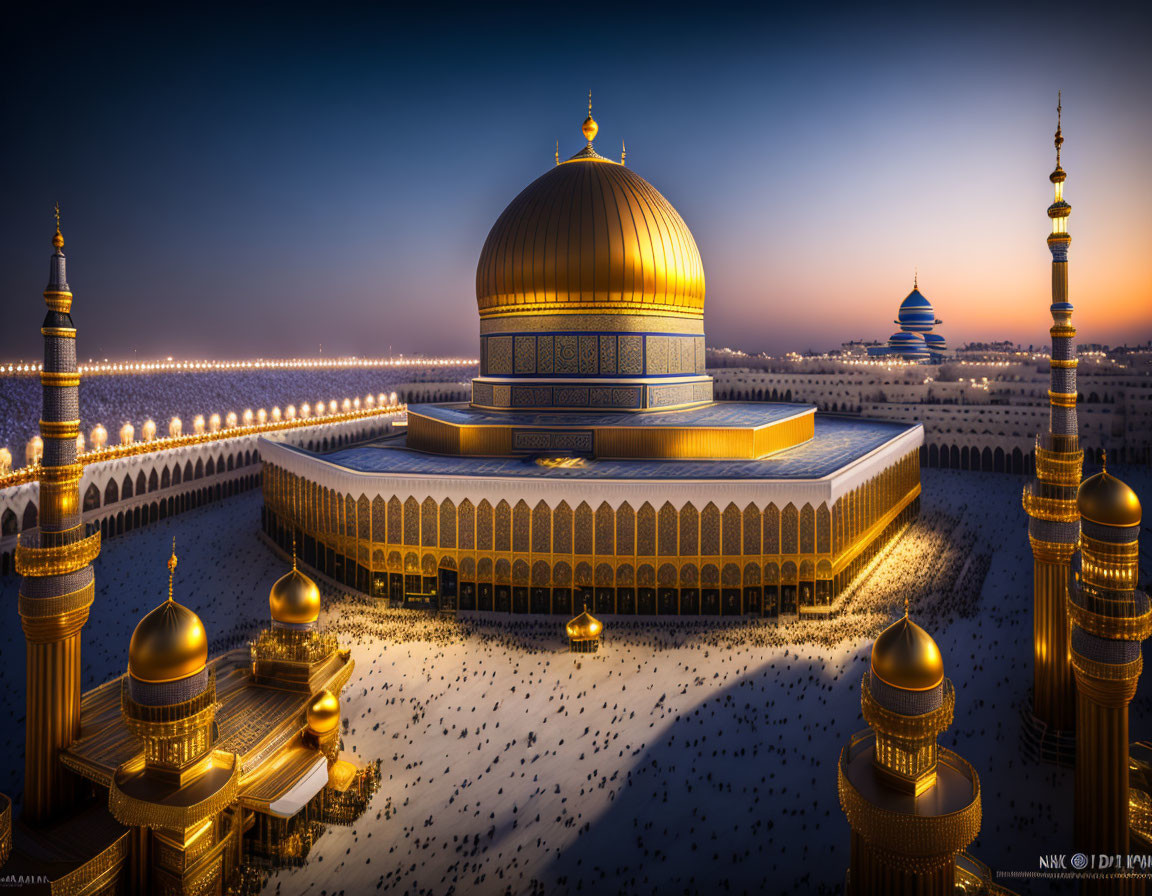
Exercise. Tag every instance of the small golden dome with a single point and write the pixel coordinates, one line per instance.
(1105, 500)
(905, 656)
(169, 643)
(324, 712)
(584, 627)
(294, 597)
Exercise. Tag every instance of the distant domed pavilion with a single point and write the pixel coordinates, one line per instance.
(592, 466)
(915, 340)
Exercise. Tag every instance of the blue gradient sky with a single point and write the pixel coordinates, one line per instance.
(266, 183)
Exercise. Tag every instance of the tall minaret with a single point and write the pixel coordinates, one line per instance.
(56, 562)
(1110, 617)
(1050, 499)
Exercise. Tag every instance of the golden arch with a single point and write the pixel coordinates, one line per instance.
(689, 575)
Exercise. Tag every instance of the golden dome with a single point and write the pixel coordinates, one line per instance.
(324, 712)
(590, 236)
(1106, 500)
(905, 656)
(169, 643)
(294, 597)
(584, 627)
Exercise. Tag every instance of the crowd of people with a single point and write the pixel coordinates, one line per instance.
(115, 398)
(694, 754)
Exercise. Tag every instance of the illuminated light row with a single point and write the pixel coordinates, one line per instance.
(171, 366)
(214, 427)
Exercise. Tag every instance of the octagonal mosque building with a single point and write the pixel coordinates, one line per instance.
(592, 466)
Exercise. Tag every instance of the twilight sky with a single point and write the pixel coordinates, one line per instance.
(280, 183)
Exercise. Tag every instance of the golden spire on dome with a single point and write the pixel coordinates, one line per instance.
(171, 567)
(58, 239)
(623, 152)
(557, 152)
(590, 128)
(916, 278)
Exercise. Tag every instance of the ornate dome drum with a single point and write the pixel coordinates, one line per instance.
(591, 295)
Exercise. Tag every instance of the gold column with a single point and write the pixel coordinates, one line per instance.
(1053, 691)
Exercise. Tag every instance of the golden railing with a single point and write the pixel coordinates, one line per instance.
(1062, 467)
(31, 472)
(1057, 510)
(35, 558)
(905, 833)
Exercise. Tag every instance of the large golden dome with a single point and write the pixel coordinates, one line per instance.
(590, 236)
(294, 598)
(1106, 500)
(905, 656)
(169, 643)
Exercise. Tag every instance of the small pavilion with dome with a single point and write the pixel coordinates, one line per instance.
(916, 339)
(584, 633)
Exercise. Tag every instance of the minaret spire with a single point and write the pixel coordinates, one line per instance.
(1059, 137)
(1050, 499)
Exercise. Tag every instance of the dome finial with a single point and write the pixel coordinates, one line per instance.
(916, 278)
(590, 127)
(557, 152)
(58, 240)
(1103, 461)
(623, 152)
(1059, 137)
(171, 567)
(293, 551)
(905, 606)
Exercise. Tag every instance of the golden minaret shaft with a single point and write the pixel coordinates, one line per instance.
(1050, 499)
(56, 562)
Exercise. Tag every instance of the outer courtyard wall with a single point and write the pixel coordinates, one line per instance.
(967, 427)
(123, 493)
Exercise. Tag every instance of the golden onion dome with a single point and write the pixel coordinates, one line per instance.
(1108, 501)
(294, 597)
(324, 712)
(584, 627)
(590, 236)
(170, 642)
(905, 656)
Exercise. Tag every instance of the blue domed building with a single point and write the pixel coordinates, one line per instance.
(914, 341)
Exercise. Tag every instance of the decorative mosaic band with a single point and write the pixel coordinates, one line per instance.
(591, 354)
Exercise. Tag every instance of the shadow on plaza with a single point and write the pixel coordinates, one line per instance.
(735, 796)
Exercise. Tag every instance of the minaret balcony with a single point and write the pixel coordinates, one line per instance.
(40, 553)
